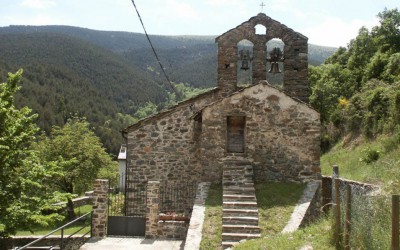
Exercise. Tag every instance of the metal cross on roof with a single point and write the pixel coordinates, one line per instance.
(262, 5)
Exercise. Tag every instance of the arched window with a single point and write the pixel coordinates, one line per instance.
(244, 63)
(260, 29)
(275, 64)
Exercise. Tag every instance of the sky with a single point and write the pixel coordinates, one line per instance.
(324, 22)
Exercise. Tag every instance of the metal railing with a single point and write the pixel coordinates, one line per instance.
(62, 238)
(177, 197)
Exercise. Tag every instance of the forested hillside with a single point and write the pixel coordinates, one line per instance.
(109, 77)
(64, 76)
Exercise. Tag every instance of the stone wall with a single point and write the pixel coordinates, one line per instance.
(307, 209)
(314, 210)
(327, 186)
(78, 202)
(281, 135)
(161, 229)
(172, 230)
(295, 54)
(99, 216)
(72, 243)
(163, 147)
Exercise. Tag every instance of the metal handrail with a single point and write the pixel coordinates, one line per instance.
(55, 230)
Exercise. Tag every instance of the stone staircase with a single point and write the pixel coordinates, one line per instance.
(240, 213)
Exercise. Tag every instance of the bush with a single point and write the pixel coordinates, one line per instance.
(370, 155)
(392, 143)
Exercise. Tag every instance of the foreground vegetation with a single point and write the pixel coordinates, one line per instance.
(275, 201)
(39, 171)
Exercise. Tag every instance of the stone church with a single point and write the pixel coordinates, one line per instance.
(272, 128)
(233, 134)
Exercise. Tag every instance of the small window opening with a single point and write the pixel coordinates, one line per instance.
(197, 130)
(235, 134)
(260, 29)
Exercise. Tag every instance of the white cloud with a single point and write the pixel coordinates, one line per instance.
(335, 32)
(222, 2)
(181, 10)
(37, 4)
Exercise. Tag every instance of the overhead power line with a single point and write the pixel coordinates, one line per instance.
(155, 53)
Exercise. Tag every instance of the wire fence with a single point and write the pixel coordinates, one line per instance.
(368, 219)
(363, 220)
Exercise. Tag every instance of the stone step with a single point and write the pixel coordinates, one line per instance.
(239, 190)
(239, 204)
(228, 244)
(240, 220)
(247, 176)
(240, 212)
(238, 183)
(239, 236)
(238, 197)
(244, 229)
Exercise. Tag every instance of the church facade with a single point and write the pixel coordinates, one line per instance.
(270, 127)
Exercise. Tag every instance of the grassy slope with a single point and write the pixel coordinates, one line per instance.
(316, 235)
(352, 161)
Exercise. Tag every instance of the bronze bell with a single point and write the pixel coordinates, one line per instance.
(274, 68)
(245, 57)
(245, 64)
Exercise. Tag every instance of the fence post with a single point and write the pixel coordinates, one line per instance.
(100, 200)
(335, 170)
(335, 175)
(395, 222)
(348, 218)
(153, 209)
(337, 213)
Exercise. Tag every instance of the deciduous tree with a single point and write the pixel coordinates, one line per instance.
(23, 194)
(79, 155)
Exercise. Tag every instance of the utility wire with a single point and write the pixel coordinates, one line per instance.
(155, 53)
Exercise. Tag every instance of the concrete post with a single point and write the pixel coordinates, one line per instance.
(99, 217)
(153, 210)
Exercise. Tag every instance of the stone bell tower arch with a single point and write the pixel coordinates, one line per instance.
(295, 56)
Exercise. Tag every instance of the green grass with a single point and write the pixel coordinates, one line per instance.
(276, 202)
(352, 165)
(40, 230)
(212, 227)
(316, 236)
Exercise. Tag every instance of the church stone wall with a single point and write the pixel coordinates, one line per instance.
(281, 136)
(295, 54)
(163, 147)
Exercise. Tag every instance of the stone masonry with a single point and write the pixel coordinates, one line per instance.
(153, 212)
(295, 54)
(281, 135)
(99, 217)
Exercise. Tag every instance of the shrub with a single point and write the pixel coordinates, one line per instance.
(370, 155)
